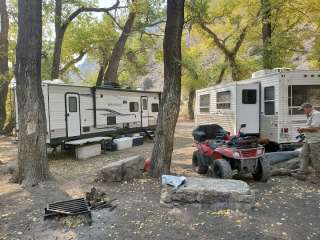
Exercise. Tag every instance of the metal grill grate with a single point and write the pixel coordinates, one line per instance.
(69, 207)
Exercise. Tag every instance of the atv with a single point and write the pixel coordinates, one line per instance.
(221, 155)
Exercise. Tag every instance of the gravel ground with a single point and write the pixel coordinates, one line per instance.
(285, 207)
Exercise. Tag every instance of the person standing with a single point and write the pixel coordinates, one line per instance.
(310, 155)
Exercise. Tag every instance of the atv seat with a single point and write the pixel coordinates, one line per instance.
(208, 131)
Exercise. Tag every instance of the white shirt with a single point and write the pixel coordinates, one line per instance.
(313, 120)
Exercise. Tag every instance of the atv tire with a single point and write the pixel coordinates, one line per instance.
(221, 169)
(197, 164)
(263, 171)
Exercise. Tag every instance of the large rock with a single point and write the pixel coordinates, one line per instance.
(218, 193)
(125, 169)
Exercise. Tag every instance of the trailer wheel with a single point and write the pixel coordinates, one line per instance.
(221, 169)
(263, 171)
(197, 164)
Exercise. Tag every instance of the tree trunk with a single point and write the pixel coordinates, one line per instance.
(32, 149)
(4, 68)
(102, 71)
(266, 34)
(192, 94)
(170, 98)
(111, 75)
(55, 71)
(3, 100)
(235, 73)
(222, 72)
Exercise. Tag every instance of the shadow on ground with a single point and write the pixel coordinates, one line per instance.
(285, 209)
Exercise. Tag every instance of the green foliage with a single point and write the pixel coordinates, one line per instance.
(134, 61)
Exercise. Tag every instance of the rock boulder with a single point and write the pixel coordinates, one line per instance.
(125, 169)
(218, 193)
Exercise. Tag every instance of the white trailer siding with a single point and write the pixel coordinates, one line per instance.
(117, 104)
(269, 123)
(277, 121)
(232, 117)
(286, 118)
(223, 117)
(57, 108)
(91, 107)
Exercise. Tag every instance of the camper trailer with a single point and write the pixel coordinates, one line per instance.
(76, 112)
(268, 103)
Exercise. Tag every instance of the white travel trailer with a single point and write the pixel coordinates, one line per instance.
(75, 112)
(268, 103)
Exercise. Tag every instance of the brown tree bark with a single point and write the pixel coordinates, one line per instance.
(170, 98)
(55, 71)
(102, 71)
(111, 74)
(266, 34)
(221, 75)
(61, 27)
(192, 94)
(4, 68)
(235, 72)
(32, 149)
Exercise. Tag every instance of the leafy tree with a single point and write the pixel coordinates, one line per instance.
(227, 24)
(62, 22)
(142, 14)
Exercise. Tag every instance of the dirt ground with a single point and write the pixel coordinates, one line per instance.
(285, 207)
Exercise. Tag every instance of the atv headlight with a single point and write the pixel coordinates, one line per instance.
(259, 151)
(236, 155)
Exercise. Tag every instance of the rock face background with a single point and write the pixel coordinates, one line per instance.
(217, 193)
(125, 169)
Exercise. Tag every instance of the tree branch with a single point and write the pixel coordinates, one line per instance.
(73, 61)
(240, 40)
(216, 39)
(80, 10)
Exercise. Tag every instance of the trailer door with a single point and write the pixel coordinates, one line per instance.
(144, 112)
(248, 107)
(73, 114)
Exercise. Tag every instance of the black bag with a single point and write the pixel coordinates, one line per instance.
(208, 131)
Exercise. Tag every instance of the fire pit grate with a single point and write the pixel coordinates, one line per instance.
(69, 207)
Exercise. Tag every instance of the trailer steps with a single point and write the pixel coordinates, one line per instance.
(150, 134)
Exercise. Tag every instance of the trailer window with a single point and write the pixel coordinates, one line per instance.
(111, 120)
(155, 107)
(134, 106)
(298, 94)
(204, 103)
(224, 100)
(249, 96)
(144, 104)
(73, 104)
(269, 100)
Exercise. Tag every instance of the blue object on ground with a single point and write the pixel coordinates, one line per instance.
(174, 181)
(277, 157)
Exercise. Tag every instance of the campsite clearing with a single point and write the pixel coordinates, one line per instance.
(285, 208)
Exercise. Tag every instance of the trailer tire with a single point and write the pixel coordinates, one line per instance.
(221, 168)
(263, 171)
(197, 164)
